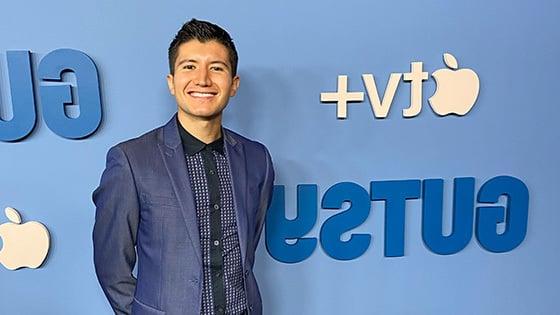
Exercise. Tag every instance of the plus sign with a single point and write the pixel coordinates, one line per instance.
(342, 97)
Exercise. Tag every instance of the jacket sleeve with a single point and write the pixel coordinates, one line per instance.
(115, 230)
(265, 196)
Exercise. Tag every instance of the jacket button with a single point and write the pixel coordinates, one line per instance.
(246, 272)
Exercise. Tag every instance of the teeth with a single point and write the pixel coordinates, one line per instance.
(200, 94)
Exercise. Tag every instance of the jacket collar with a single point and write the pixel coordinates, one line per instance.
(172, 139)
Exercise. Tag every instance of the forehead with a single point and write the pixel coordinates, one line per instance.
(202, 51)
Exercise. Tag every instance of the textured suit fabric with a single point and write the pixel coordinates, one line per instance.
(145, 213)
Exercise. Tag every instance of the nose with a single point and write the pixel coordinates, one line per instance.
(202, 78)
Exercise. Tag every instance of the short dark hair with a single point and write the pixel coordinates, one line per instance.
(202, 31)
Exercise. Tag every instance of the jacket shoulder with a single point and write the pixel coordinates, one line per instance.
(142, 142)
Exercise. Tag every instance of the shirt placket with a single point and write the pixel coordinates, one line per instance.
(216, 246)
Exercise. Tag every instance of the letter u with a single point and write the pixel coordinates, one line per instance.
(23, 101)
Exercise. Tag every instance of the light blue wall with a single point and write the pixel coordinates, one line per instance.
(290, 52)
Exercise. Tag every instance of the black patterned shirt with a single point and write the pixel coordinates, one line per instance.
(223, 288)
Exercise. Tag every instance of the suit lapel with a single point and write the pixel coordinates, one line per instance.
(174, 160)
(238, 170)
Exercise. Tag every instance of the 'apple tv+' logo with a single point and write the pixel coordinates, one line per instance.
(455, 94)
(499, 226)
(24, 245)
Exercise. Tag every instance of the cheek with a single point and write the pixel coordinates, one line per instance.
(180, 83)
(226, 85)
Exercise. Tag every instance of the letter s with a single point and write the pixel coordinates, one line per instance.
(354, 216)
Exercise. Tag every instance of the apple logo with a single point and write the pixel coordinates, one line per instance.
(24, 245)
(456, 90)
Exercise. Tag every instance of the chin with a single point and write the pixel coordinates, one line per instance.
(203, 115)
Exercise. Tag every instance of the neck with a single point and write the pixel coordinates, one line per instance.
(206, 131)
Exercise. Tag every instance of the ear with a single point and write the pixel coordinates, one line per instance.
(170, 84)
(234, 86)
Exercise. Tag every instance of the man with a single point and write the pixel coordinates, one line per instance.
(187, 200)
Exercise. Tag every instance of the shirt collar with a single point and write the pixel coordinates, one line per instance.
(192, 145)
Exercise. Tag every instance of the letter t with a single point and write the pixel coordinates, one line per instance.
(415, 76)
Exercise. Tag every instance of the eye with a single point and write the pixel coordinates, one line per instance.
(188, 67)
(217, 68)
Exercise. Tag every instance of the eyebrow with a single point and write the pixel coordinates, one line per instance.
(194, 61)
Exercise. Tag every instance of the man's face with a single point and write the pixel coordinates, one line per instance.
(203, 81)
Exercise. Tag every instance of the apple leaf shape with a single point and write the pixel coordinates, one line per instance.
(13, 215)
(450, 61)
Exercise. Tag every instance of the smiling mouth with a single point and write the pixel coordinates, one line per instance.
(202, 94)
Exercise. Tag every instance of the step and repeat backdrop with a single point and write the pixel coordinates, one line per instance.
(415, 147)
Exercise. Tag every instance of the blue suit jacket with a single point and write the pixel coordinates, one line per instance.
(145, 210)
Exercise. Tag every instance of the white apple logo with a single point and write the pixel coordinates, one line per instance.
(24, 245)
(456, 90)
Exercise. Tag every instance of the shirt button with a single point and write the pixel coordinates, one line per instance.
(212, 172)
(216, 206)
(216, 242)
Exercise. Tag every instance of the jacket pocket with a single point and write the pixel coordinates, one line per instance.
(159, 200)
(139, 308)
